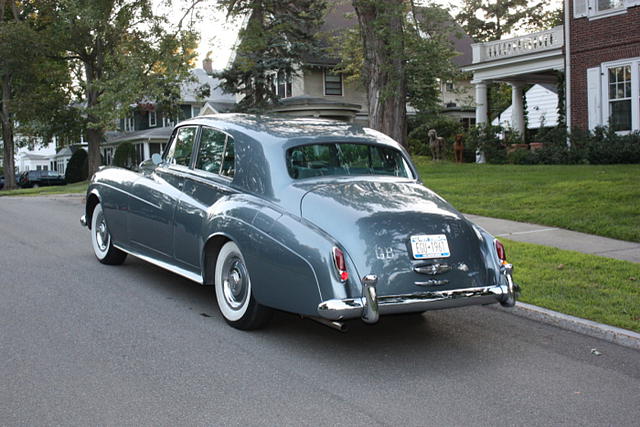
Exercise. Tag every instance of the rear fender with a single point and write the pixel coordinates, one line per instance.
(287, 261)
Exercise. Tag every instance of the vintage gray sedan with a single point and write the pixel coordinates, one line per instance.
(317, 217)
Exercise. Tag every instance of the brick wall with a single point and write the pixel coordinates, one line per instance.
(594, 42)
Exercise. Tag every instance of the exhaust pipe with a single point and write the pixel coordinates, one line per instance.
(338, 326)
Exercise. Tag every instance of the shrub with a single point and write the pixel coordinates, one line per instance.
(485, 138)
(78, 167)
(607, 147)
(125, 155)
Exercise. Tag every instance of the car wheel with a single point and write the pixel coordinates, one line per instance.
(233, 291)
(101, 240)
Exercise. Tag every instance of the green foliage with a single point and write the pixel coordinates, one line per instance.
(425, 49)
(125, 155)
(37, 88)
(486, 20)
(121, 53)
(606, 147)
(446, 127)
(277, 38)
(77, 168)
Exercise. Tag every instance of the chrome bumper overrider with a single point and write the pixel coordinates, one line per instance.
(370, 306)
(83, 220)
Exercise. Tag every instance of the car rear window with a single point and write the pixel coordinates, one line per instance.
(343, 159)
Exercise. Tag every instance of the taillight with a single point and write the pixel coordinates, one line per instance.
(341, 265)
(502, 254)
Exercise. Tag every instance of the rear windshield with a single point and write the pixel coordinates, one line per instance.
(340, 159)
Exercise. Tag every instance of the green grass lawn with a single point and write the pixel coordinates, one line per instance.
(596, 199)
(78, 187)
(588, 286)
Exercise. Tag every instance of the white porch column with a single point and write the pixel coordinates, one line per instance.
(145, 151)
(482, 115)
(517, 108)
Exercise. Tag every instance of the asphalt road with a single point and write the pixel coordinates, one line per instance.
(86, 344)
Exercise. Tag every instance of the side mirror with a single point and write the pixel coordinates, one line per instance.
(156, 159)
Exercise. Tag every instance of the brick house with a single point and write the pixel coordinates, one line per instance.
(602, 48)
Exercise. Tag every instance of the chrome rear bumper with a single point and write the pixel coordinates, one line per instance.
(370, 306)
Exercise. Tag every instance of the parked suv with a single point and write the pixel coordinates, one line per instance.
(36, 179)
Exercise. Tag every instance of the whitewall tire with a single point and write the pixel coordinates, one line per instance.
(234, 293)
(101, 240)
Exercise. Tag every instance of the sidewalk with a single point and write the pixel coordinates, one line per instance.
(559, 238)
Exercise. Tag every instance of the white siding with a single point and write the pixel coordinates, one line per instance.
(542, 109)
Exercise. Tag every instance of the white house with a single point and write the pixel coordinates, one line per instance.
(542, 108)
(38, 158)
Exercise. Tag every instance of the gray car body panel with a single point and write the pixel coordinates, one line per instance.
(287, 228)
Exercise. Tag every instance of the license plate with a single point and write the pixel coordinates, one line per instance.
(425, 246)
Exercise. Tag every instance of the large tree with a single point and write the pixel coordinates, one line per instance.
(486, 20)
(382, 31)
(35, 88)
(123, 54)
(277, 37)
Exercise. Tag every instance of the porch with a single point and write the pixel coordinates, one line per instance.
(519, 61)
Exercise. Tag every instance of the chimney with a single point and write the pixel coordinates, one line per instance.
(207, 64)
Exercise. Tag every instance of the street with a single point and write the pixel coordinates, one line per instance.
(83, 343)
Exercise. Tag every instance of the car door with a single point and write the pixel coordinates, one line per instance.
(206, 183)
(155, 196)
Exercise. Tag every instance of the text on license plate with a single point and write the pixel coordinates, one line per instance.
(426, 246)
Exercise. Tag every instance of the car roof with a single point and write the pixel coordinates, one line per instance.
(272, 129)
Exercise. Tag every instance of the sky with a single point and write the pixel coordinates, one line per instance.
(218, 37)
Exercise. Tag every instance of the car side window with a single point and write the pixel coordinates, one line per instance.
(211, 150)
(229, 160)
(182, 146)
(216, 153)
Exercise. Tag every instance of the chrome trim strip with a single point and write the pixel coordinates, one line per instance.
(337, 309)
(170, 267)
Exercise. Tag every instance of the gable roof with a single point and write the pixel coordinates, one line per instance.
(341, 15)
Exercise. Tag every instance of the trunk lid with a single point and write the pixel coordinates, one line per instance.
(374, 222)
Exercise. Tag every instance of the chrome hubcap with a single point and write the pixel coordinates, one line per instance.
(235, 283)
(102, 234)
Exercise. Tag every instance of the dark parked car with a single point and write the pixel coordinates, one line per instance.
(316, 217)
(40, 178)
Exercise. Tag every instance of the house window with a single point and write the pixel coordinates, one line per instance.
(283, 85)
(128, 124)
(448, 86)
(153, 119)
(604, 5)
(195, 111)
(168, 122)
(599, 8)
(332, 83)
(620, 98)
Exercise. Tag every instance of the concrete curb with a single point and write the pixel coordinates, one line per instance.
(612, 334)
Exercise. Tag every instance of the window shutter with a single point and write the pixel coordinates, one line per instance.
(594, 97)
(580, 8)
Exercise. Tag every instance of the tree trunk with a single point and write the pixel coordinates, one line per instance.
(94, 134)
(8, 162)
(381, 24)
